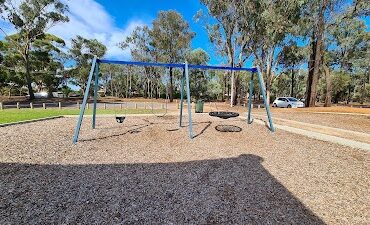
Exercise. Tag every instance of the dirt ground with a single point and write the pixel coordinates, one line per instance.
(353, 119)
(146, 170)
(357, 123)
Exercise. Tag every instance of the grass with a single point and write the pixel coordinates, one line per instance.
(17, 115)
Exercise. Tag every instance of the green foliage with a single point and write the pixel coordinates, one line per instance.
(31, 19)
(341, 81)
(214, 89)
(82, 52)
(292, 55)
(44, 61)
(198, 78)
(171, 36)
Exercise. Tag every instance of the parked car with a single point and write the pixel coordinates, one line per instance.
(287, 102)
(42, 94)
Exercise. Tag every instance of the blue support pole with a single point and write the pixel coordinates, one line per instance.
(182, 96)
(84, 102)
(96, 85)
(251, 84)
(188, 100)
(267, 104)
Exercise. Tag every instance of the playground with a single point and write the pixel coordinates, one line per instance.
(147, 170)
(101, 163)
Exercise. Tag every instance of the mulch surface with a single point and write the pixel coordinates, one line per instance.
(147, 171)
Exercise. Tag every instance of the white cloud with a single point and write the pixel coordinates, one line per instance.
(89, 19)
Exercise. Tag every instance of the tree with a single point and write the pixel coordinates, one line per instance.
(252, 27)
(82, 52)
(350, 53)
(140, 43)
(291, 57)
(318, 17)
(341, 81)
(43, 61)
(31, 18)
(198, 78)
(226, 36)
(268, 26)
(171, 37)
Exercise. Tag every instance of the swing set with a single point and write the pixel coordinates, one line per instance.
(185, 84)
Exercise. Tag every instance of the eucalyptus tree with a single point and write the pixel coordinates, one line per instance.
(291, 58)
(44, 63)
(198, 78)
(171, 37)
(350, 53)
(31, 19)
(319, 17)
(267, 26)
(140, 44)
(225, 35)
(82, 52)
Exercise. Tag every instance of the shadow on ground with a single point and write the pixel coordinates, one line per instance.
(224, 191)
(138, 128)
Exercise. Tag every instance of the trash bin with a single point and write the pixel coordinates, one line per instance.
(199, 106)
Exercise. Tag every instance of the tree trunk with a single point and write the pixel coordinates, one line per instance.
(10, 91)
(233, 89)
(268, 91)
(316, 57)
(28, 77)
(328, 86)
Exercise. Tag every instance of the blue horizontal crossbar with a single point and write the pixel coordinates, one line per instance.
(176, 65)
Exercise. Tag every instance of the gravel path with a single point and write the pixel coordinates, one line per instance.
(349, 122)
(146, 171)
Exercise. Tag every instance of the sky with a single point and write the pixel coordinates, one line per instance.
(110, 21)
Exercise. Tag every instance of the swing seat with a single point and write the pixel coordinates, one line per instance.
(224, 115)
(120, 119)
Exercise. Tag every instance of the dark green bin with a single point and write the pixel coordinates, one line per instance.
(199, 106)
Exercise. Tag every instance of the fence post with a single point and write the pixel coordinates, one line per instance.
(78, 105)
(44, 105)
(135, 105)
(105, 105)
(87, 105)
(31, 105)
(59, 105)
(120, 106)
(1, 106)
(18, 105)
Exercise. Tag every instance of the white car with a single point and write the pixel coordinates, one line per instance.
(287, 102)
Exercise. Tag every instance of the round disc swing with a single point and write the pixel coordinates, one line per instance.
(224, 114)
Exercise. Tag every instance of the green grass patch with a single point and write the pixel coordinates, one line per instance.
(17, 115)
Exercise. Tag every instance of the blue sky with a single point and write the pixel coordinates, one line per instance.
(146, 11)
(110, 21)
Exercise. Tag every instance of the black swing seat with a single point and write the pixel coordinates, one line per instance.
(120, 119)
(224, 115)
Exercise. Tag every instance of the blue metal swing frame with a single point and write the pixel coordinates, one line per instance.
(185, 83)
